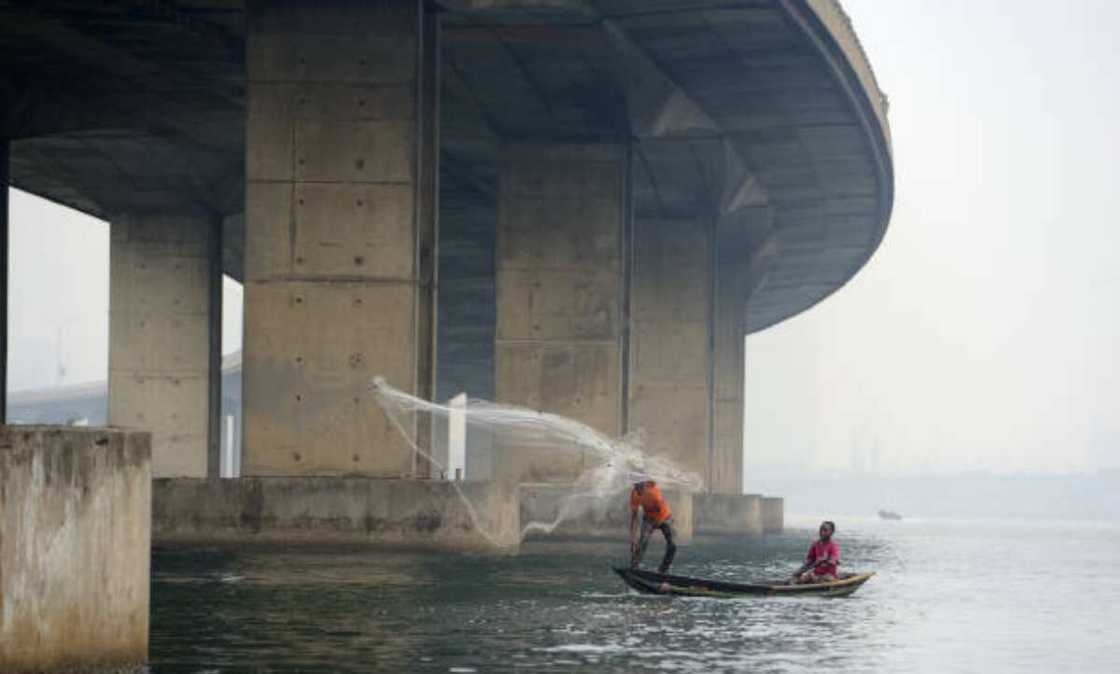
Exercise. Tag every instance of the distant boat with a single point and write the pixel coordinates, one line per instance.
(888, 515)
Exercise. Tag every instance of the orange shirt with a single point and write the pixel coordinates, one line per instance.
(652, 502)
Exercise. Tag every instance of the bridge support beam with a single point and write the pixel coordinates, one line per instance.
(164, 337)
(340, 232)
(560, 285)
(670, 346)
(726, 470)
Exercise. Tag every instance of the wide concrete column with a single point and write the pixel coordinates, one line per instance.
(164, 336)
(558, 342)
(726, 471)
(340, 224)
(670, 346)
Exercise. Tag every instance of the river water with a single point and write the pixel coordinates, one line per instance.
(947, 597)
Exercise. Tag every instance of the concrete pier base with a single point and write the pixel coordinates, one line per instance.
(388, 513)
(607, 518)
(728, 514)
(773, 514)
(74, 548)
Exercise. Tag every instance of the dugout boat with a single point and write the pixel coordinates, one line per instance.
(652, 582)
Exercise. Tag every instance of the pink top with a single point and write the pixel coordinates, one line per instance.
(819, 551)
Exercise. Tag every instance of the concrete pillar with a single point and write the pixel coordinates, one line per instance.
(726, 471)
(75, 549)
(340, 231)
(558, 342)
(4, 184)
(669, 350)
(163, 358)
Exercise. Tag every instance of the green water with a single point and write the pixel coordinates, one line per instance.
(947, 597)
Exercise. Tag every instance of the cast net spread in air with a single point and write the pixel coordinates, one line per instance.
(498, 435)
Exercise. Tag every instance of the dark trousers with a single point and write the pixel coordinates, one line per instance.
(648, 528)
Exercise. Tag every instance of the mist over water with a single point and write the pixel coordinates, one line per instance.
(947, 597)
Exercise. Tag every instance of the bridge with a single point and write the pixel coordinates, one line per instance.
(574, 205)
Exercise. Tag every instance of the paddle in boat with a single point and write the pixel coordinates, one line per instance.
(651, 582)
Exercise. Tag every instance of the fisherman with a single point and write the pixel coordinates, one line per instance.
(655, 515)
(823, 559)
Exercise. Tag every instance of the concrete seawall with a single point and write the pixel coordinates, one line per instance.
(773, 514)
(74, 548)
(393, 513)
(728, 513)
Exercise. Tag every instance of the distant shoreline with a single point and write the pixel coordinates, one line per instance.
(1066, 498)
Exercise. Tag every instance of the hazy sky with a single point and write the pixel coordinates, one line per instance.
(982, 335)
(984, 332)
(60, 296)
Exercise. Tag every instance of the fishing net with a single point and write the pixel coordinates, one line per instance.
(476, 439)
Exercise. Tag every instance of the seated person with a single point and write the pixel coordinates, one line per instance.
(823, 559)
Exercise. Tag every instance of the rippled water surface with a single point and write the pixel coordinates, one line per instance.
(959, 597)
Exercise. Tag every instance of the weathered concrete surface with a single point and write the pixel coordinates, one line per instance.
(727, 513)
(160, 313)
(339, 226)
(773, 514)
(726, 471)
(588, 517)
(670, 311)
(75, 523)
(392, 513)
(558, 336)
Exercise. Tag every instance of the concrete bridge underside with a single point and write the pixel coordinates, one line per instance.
(572, 205)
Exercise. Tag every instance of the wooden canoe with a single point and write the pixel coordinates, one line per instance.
(651, 582)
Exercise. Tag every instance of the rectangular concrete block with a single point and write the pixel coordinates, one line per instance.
(270, 114)
(727, 466)
(353, 151)
(310, 359)
(353, 230)
(269, 219)
(75, 525)
(773, 514)
(580, 381)
(596, 517)
(728, 514)
(669, 353)
(557, 305)
(414, 514)
(159, 342)
(332, 56)
(330, 101)
(159, 282)
(671, 275)
(183, 402)
(543, 232)
(674, 423)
